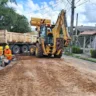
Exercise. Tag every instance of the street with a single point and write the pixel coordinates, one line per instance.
(32, 76)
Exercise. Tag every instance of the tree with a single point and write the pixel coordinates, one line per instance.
(12, 21)
(4, 2)
(7, 15)
(7, 18)
(21, 24)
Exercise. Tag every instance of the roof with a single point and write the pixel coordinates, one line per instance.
(86, 28)
(88, 33)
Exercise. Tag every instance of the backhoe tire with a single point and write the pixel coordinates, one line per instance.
(39, 51)
(58, 56)
(32, 50)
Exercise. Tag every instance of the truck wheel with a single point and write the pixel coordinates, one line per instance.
(39, 51)
(16, 49)
(32, 50)
(24, 49)
(58, 56)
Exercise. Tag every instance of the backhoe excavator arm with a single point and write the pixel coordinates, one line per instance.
(61, 24)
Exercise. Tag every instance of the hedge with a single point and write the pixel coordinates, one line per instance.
(77, 50)
(93, 53)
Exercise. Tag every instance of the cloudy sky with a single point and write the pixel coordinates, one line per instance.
(51, 8)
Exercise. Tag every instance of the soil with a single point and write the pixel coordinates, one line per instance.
(32, 76)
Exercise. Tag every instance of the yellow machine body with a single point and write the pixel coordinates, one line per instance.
(59, 35)
(38, 21)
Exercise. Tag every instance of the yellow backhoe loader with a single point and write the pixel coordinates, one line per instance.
(51, 38)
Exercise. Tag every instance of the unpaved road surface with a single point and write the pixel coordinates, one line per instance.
(32, 76)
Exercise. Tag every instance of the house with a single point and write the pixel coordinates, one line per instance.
(85, 38)
(81, 29)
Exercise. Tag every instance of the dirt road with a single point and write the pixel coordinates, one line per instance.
(32, 76)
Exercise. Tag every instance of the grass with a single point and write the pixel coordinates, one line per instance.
(79, 57)
(88, 59)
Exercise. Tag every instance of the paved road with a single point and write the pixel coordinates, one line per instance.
(81, 63)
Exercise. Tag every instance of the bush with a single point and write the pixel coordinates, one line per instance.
(93, 53)
(77, 50)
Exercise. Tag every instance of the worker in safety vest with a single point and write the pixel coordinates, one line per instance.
(1, 50)
(8, 53)
(1, 55)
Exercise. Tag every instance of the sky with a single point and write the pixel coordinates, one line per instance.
(50, 9)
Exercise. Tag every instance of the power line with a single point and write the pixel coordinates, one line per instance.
(83, 3)
(46, 8)
(93, 3)
(68, 10)
(53, 5)
(78, 1)
(60, 1)
(69, 2)
(56, 6)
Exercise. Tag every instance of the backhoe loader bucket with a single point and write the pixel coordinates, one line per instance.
(39, 21)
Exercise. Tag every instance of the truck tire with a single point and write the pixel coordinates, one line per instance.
(58, 56)
(39, 51)
(16, 49)
(24, 49)
(32, 50)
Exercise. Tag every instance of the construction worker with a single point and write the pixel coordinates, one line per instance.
(1, 55)
(7, 54)
(1, 50)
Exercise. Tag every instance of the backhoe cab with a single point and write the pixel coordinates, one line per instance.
(51, 38)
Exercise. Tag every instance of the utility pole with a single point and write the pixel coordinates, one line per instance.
(76, 34)
(72, 22)
(76, 23)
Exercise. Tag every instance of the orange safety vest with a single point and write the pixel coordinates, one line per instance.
(6, 52)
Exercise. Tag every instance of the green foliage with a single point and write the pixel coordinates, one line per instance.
(12, 21)
(76, 50)
(93, 53)
(4, 2)
(84, 58)
(21, 25)
(8, 18)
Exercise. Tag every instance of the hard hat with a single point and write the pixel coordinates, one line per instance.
(1, 47)
(6, 47)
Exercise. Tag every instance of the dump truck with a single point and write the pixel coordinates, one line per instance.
(51, 38)
(18, 42)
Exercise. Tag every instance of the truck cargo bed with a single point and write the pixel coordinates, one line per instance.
(13, 37)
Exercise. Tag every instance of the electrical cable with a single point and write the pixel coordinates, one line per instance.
(69, 2)
(78, 1)
(83, 3)
(53, 6)
(48, 7)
